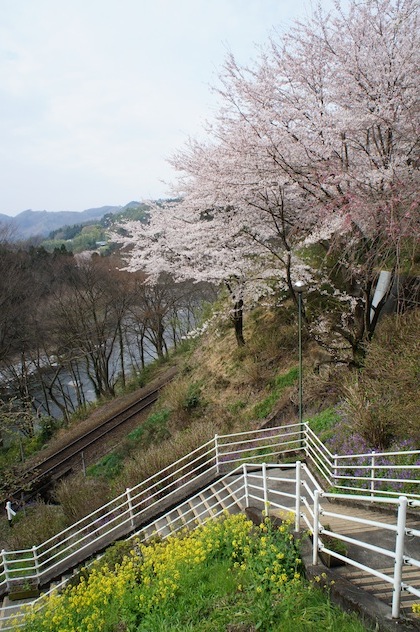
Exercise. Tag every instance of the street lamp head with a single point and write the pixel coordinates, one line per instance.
(299, 286)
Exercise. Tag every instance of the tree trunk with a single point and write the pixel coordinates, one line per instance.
(238, 322)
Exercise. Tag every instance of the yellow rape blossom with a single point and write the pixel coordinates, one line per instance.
(153, 573)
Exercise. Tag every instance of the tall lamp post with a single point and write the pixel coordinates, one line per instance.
(299, 287)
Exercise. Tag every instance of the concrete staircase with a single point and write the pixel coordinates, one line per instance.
(222, 495)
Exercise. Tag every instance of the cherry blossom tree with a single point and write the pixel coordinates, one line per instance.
(364, 151)
(199, 245)
(311, 168)
(334, 105)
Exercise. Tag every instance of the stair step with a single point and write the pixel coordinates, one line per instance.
(206, 503)
(226, 496)
(232, 494)
(10, 609)
(381, 589)
(196, 510)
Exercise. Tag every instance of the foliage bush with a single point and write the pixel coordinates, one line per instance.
(344, 441)
(183, 398)
(108, 467)
(153, 430)
(193, 397)
(383, 399)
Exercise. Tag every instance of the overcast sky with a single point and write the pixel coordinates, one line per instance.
(96, 94)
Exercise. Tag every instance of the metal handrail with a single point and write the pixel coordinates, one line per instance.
(122, 511)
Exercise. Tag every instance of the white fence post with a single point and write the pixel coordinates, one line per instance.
(372, 473)
(305, 439)
(297, 496)
(36, 563)
(399, 556)
(216, 451)
(6, 570)
(246, 485)
(315, 530)
(265, 489)
(130, 506)
(335, 469)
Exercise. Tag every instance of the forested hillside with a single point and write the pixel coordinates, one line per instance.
(73, 330)
(93, 234)
(37, 224)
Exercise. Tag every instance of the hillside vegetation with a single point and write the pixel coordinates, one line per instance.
(222, 388)
(92, 235)
(301, 198)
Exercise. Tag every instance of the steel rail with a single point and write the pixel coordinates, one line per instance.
(50, 465)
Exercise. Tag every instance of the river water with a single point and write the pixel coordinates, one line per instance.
(73, 387)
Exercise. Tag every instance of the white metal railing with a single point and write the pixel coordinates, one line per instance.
(377, 473)
(108, 523)
(260, 444)
(400, 529)
(293, 488)
(206, 505)
(136, 506)
(304, 500)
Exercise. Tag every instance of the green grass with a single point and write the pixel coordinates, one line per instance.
(323, 423)
(278, 385)
(152, 431)
(108, 467)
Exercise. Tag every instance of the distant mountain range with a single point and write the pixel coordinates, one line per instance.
(40, 223)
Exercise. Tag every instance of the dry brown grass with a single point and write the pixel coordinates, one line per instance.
(79, 496)
(32, 527)
(323, 381)
(233, 378)
(383, 401)
(145, 463)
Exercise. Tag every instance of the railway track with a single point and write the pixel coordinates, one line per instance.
(38, 479)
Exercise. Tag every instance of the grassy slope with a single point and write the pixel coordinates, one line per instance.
(221, 388)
